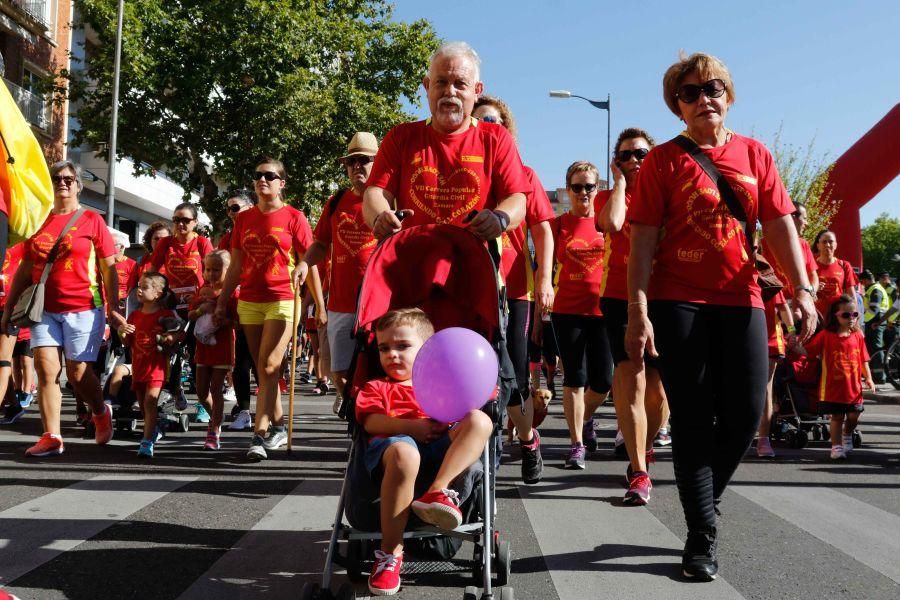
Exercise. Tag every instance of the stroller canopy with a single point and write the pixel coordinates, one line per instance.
(442, 269)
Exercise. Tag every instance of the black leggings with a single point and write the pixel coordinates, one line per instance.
(584, 349)
(714, 366)
(243, 364)
(517, 347)
(4, 238)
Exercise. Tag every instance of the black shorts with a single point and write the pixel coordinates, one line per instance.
(584, 349)
(615, 312)
(22, 348)
(839, 408)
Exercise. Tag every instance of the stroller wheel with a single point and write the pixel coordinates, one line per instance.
(801, 439)
(790, 438)
(507, 593)
(471, 593)
(816, 434)
(504, 563)
(857, 439)
(310, 591)
(355, 560)
(346, 592)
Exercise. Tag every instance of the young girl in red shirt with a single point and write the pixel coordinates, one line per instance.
(147, 328)
(216, 359)
(845, 363)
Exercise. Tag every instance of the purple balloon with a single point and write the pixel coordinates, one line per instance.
(455, 372)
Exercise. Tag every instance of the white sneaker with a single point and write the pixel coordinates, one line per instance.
(257, 449)
(338, 403)
(228, 394)
(276, 440)
(847, 442)
(241, 421)
(837, 453)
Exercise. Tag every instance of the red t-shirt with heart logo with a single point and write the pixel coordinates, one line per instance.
(515, 262)
(352, 243)
(579, 254)
(702, 255)
(74, 282)
(147, 363)
(445, 177)
(182, 264)
(615, 259)
(272, 243)
(124, 269)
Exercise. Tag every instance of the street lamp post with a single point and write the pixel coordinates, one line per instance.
(603, 104)
(113, 131)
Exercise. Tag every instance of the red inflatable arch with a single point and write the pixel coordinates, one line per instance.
(858, 175)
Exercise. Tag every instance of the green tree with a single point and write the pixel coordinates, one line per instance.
(881, 243)
(210, 86)
(805, 175)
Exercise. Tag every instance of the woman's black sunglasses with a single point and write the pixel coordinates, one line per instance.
(690, 92)
(583, 187)
(267, 175)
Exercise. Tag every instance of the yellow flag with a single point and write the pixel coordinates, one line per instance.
(25, 180)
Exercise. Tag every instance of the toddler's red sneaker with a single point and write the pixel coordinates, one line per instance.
(103, 425)
(385, 577)
(439, 508)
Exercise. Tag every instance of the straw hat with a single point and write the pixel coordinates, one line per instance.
(363, 143)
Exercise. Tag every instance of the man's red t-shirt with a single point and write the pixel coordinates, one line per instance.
(445, 177)
(702, 256)
(387, 397)
(124, 269)
(833, 280)
(10, 265)
(515, 262)
(579, 253)
(843, 365)
(222, 352)
(74, 283)
(271, 243)
(809, 263)
(147, 363)
(352, 243)
(615, 257)
(182, 264)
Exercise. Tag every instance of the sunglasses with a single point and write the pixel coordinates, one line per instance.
(490, 119)
(267, 175)
(583, 187)
(358, 160)
(847, 315)
(182, 220)
(234, 208)
(66, 179)
(639, 154)
(689, 92)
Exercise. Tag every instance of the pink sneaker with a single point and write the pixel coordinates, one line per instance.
(212, 441)
(639, 487)
(103, 425)
(439, 508)
(385, 577)
(49, 444)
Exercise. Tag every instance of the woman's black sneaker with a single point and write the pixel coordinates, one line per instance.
(699, 558)
(532, 463)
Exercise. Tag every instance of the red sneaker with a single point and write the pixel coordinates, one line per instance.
(103, 425)
(48, 445)
(385, 577)
(283, 385)
(639, 487)
(439, 508)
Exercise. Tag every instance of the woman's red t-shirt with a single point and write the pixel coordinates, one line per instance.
(702, 256)
(833, 280)
(124, 268)
(615, 257)
(271, 243)
(182, 264)
(843, 365)
(74, 283)
(515, 262)
(10, 265)
(147, 363)
(579, 254)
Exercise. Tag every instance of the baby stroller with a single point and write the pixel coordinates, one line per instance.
(449, 274)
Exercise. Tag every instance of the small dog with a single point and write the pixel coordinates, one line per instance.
(540, 398)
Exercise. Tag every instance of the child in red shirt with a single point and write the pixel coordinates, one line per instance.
(845, 362)
(401, 437)
(143, 333)
(214, 361)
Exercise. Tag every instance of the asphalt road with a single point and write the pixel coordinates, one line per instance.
(98, 523)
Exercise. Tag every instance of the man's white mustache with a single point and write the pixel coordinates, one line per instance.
(456, 102)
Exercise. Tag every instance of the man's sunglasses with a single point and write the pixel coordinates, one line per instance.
(66, 179)
(358, 160)
(689, 92)
(182, 220)
(583, 187)
(847, 314)
(267, 175)
(639, 153)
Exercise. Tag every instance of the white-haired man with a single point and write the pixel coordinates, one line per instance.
(450, 165)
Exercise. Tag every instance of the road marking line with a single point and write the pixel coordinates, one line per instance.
(864, 532)
(591, 546)
(37, 531)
